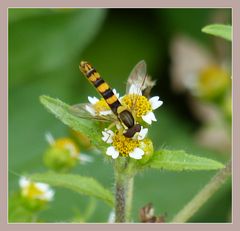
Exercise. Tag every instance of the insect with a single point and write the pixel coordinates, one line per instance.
(121, 113)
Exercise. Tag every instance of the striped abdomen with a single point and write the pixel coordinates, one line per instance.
(123, 115)
(102, 87)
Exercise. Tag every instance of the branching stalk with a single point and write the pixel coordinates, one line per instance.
(208, 190)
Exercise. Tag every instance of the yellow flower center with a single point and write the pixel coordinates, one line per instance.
(101, 105)
(32, 191)
(67, 144)
(124, 144)
(138, 103)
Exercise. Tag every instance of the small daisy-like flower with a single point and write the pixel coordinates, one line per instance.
(124, 146)
(35, 190)
(99, 106)
(142, 106)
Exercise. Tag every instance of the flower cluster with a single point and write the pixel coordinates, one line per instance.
(142, 110)
(35, 190)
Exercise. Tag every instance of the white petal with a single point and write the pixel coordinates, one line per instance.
(49, 195)
(71, 148)
(108, 112)
(90, 110)
(119, 126)
(107, 136)
(115, 92)
(41, 186)
(142, 134)
(111, 151)
(85, 158)
(134, 89)
(23, 182)
(111, 217)
(137, 153)
(149, 117)
(93, 100)
(49, 138)
(155, 102)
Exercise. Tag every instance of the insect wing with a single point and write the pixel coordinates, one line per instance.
(80, 110)
(137, 76)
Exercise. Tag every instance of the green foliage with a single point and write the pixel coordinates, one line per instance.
(223, 31)
(39, 65)
(63, 112)
(180, 160)
(82, 185)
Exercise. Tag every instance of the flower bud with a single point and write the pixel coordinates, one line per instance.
(147, 146)
(35, 195)
(62, 155)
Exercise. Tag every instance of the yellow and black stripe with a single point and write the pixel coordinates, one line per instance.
(102, 87)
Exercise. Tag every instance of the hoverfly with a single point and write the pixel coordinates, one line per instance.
(120, 113)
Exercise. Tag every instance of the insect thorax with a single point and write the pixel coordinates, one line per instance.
(126, 118)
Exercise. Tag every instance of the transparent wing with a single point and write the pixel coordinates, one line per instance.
(82, 111)
(140, 79)
(137, 76)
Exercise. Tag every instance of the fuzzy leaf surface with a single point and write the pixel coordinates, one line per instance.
(80, 184)
(223, 31)
(179, 160)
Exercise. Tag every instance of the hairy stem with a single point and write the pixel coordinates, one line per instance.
(208, 190)
(129, 197)
(120, 200)
(123, 191)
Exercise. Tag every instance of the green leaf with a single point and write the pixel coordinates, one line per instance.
(223, 31)
(63, 112)
(82, 185)
(179, 160)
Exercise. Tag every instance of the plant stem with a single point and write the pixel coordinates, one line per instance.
(120, 199)
(208, 190)
(129, 196)
(123, 192)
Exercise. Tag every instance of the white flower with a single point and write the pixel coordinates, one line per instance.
(149, 117)
(142, 134)
(36, 190)
(107, 136)
(154, 103)
(93, 101)
(111, 151)
(137, 153)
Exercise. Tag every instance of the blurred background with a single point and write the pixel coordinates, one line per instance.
(45, 48)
